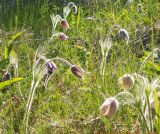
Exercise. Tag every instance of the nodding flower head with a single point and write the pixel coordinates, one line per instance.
(64, 24)
(126, 81)
(51, 66)
(124, 35)
(109, 107)
(74, 9)
(77, 71)
(6, 76)
(63, 37)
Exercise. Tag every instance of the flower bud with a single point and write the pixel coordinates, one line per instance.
(124, 35)
(51, 66)
(70, 4)
(63, 37)
(109, 107)
(6, 76)
(126, 81)
(64, 24)
(74, 9)
(77, 71)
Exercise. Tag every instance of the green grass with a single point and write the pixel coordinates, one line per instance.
(68, 101)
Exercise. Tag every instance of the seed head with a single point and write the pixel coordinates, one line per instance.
(63, 37)
(51, 66)
(109, 107)
(124, 35)
(6, 76)
(77, 71)
(64, 24)
(126, 81)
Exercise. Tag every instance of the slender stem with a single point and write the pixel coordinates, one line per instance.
(62, 60)
(144, 62)
(104, 65)
(20, 92)
(30, 104)
(149, 111)
(143, 119)
(47, 80)
(124, 93)
(56, 34)
(27, 107)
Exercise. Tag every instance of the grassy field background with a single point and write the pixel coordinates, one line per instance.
(70, 105)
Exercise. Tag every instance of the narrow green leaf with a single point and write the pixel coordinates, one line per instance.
(6, 52)
(3, 63)
(78, 17)
(14, 38)
(156, 102)
(9, 82)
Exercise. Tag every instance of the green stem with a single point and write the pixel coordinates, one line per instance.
(29, 104)
(143, 119)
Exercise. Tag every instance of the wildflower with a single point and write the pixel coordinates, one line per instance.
(55, 19)
(124, 35)
(51, 66)
(74, 9)
(109, 107)
(6, 76)
(70, 4)
(126, 81)
(64, 24)
(77, 71)
(68, 8)
(63, 37)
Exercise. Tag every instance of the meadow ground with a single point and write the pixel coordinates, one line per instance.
(44, 89)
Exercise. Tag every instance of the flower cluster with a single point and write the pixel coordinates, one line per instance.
(143, 93)
(57, 18)
(44, 68)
